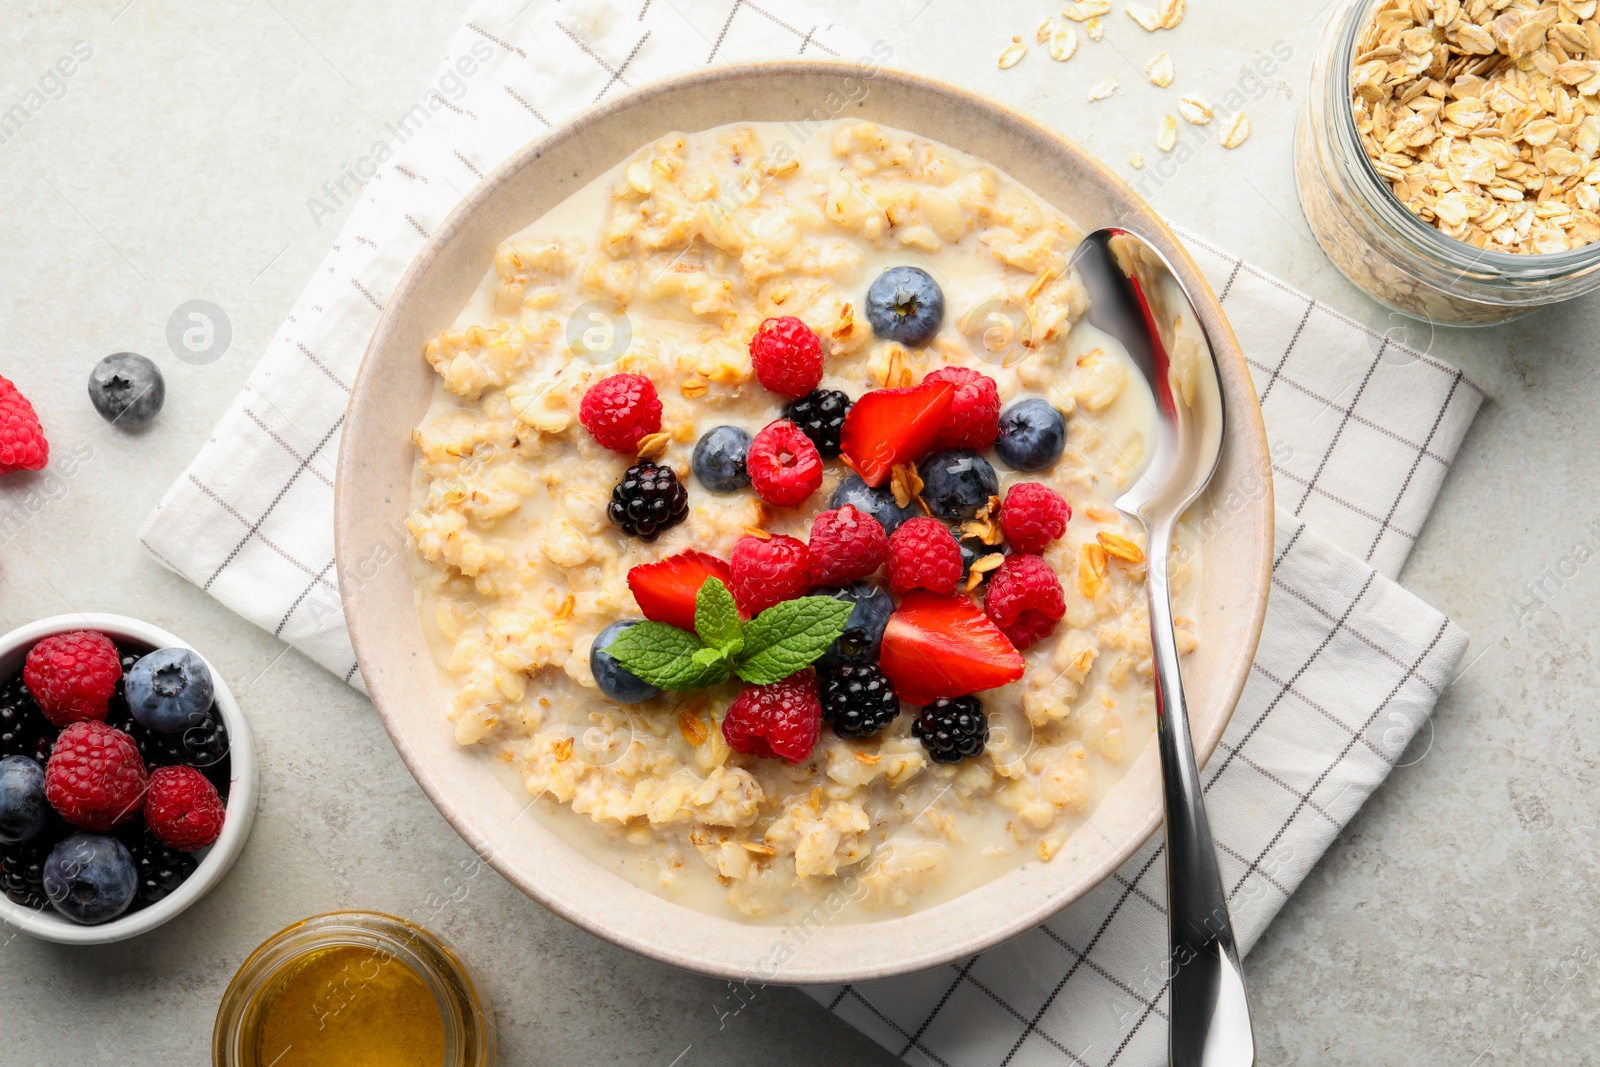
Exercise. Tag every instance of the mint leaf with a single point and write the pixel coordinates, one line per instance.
(716, 618)
(789, 636)
(668, 657)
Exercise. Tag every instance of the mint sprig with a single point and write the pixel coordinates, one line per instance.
(775, 644)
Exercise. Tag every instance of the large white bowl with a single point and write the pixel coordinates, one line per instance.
(241, 792)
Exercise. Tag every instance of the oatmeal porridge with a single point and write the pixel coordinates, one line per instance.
(826, 411)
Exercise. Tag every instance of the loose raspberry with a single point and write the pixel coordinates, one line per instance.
(781, 720)
(923, 554)
(22, 443)
(1024, 599)
(787, 356)
(768, 572)
(73, 675)
(95, 778)
(974, 419)
(618, 411)
(1032, 516)
(847, 544)
(784, 466)
(182, 809)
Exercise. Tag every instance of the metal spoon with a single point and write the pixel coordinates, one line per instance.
(1135, 297)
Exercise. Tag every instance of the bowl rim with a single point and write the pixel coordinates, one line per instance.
(1251, 431)
(240, 811)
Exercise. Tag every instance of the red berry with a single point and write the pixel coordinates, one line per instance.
(1032, 516)
(95, 777)
(620, 410)
(784, 466)
(974, 420)
(768, 572)
(781, 720)
(22, 443)
(73, 675)
(666, 589)
(944, 647)
(1024, 599)
(846, 544)
(891, 426)
(787, 356)
(923, 554)
(182, 809)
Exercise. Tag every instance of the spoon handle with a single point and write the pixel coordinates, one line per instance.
(1207, 1006)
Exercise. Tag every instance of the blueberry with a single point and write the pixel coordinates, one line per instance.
(718, 459)
(905, 304)
(90, 878)
(23, 808)
(1032, 435)
(615, 682)
(169, 690)
(879, 503)
(863, 631)
(972, 550)
(956, 483)
(127, 389)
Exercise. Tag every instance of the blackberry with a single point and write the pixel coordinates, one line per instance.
(203, 746)
(820, 416)
(160, 869)
(22, 866)
(648, 500)
(858, 700)
(24, 731)
(952, 730)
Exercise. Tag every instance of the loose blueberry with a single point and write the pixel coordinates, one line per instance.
(863, 631)
(127, 389)
(1032, 435)
(614, 681)
(879, 503)
(956, 483)
(718, 459)
(23, 808)
(905, 304)
(169, 690)
(90, 878)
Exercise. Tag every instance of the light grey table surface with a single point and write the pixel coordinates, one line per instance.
(1454, 922)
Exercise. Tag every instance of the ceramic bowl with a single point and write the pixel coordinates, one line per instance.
(392, 392)
(218, 858)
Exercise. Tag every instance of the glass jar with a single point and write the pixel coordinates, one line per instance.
(1399, 259)
(333, 970)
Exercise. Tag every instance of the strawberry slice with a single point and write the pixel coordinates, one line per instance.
(666, 589)
(944, 646)
(890, 426)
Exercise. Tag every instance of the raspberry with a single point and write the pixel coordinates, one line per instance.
(974, 419)
(784, 466)
(768, 572)
(847, 544)
(923, 555)
(620, 410)
(787, 356)
(780, 721)
(1032, 516)
(95, 777)
(22, 443)
(1024, 599)
(73, 675)
(182, 809)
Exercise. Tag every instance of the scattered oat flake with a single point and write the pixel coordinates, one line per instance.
(1236, 131)
(1136, 161)
(1144, 16)
(1013, 53)
(1195, 109)
(1096, 29)
(1084, 10)
(1103, 90)
(1172, 12)
(1159, 70)
(1167, 135)
(1042, 34)
(1063, 42)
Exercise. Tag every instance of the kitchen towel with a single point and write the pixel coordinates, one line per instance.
(1362, 429)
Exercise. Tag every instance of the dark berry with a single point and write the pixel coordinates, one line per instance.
(1032, 435)
(972, 550)
(126, 389)
(952, 729)
(169, 690)
(22, 867)
(858, 700)
(90, 878)
(24, 731)
(718, 460)
(24, 811)
(613, 679)
(648, 500)
(879, 503)
(820, 416)
(160, 869)
(905, 304)
(957, 483)
(863, 631)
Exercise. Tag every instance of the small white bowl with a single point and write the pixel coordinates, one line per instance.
(241, 808)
